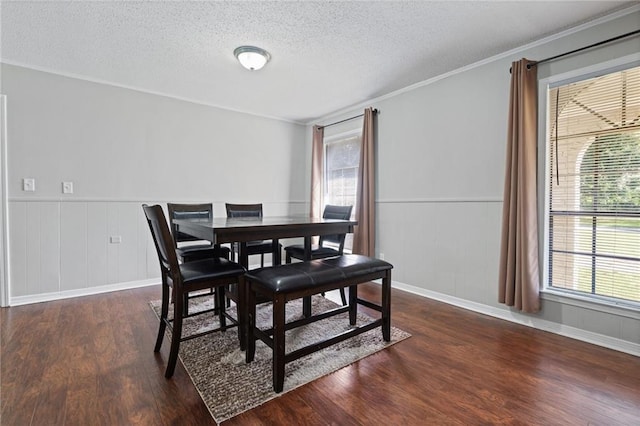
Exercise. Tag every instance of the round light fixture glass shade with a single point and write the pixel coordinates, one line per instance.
(251, 57)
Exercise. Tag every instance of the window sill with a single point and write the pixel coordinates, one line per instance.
(625, 309)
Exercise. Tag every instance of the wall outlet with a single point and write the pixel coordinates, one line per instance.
(67, 187)
(381, 256)
(115, 239)
(29, 184)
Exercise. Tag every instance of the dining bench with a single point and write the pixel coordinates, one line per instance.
(283, 283)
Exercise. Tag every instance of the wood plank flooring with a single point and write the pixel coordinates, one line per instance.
(90, 361)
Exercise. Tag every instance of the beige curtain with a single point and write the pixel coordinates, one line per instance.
(364, 234)
(317, 153)
(519, 277)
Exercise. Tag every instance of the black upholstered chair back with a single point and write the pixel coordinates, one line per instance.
(162, 239)
(187, 211)
(244, 210)
(336, 212)
(260, 247)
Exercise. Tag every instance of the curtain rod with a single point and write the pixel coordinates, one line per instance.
(375, 111)
(629, 34)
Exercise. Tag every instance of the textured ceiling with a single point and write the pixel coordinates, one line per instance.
(326, 56)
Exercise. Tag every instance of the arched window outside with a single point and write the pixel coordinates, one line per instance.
(610, 174)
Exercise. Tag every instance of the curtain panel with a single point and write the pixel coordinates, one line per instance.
(519, 282)
(364, 234)
(317, 161)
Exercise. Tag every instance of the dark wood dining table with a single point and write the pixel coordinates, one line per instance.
(243, 229)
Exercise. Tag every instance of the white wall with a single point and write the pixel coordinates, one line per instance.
(122, 148)
(441, 155)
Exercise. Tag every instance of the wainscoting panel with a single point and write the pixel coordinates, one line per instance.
(34, 247)
(49, 245)
(66, 248)
(97, 244)
(73, 246)
(449, 247)
(18, 249)
(59, 247)
(449, 250)
(130, 221)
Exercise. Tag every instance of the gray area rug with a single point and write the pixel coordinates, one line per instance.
(229, 386)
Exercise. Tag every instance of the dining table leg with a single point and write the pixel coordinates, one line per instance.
(243, 256)
(276, 254)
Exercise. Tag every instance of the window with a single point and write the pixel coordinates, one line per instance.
(342, 157)
(594, 187)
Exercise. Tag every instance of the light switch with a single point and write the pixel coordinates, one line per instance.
(115, 239)
(67, 187)
(29, 184)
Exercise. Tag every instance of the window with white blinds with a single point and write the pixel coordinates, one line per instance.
(594, 186)
(342, 159)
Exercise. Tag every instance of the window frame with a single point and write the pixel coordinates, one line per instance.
(596, 302)
(328, 140)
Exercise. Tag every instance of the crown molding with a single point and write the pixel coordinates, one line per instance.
(503, 55)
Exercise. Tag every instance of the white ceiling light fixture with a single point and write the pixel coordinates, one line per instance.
(251, 57)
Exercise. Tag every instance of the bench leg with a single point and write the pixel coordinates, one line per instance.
(250, 323)
(386, 307)
(306, 306)
(278, 344)
(353, 304)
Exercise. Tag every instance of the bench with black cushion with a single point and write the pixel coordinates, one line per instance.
(283, 283)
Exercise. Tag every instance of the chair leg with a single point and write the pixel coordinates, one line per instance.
(262, 260)
(288, 258)
(219, 301)
(343, 296)
(176, 336)
(185, 304)
(216, 303)
(164, 312)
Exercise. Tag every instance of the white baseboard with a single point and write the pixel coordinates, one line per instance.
(58, 295)
(540, 324)
(47, 297)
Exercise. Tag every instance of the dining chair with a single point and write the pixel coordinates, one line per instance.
(225, 276)
(187, 247)
(328, 245)
(253, 247)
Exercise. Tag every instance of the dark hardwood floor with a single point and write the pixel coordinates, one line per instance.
(90, 361)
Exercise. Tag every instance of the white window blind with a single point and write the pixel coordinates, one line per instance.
(341, 171)
(594, 191)
(342, 159)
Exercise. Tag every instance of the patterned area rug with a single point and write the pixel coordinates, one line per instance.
(229, 386)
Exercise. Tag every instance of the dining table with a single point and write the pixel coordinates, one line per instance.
(241, 230)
